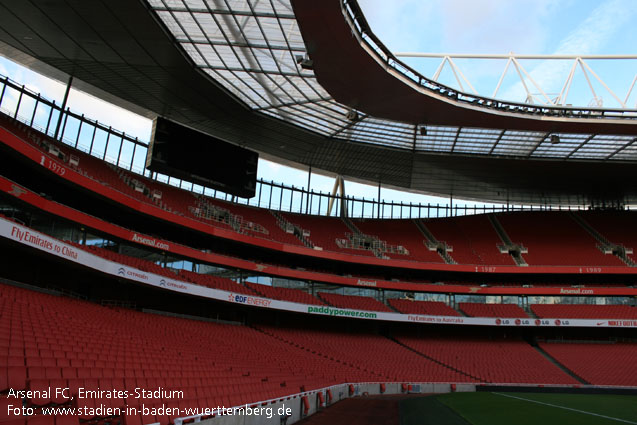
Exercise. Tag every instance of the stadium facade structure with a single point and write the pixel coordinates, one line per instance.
(356, 305)
(235, 70)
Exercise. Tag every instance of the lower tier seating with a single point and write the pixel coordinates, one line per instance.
(601, 364)
(511, 361)
(58, 342)
(367, 356)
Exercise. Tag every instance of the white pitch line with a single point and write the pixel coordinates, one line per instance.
(568, 408)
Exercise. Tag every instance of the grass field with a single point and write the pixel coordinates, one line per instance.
(519, 409)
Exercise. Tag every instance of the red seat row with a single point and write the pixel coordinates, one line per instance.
(584, 311)
(552, 238)
(353, 302)
(217, 364)
(434, 308)
(600, 364)
(492, 310)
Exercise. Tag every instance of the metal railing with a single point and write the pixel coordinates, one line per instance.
(128, 152)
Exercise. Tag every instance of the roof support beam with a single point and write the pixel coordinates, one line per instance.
(497, 141)
(338, 192)
(537, 145)
(455, 140)
(588, 139)
(255, 71)
(239, 44)
(218, 11)
(618, 150)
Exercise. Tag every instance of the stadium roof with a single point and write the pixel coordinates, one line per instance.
(241, 70)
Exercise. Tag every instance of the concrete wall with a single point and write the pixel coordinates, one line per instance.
(291, 409)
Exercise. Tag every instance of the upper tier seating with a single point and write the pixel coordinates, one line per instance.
(400, 233)
(248, 220)
(324, 231)
(554, 239)
(354, 302)
(579, 311)
(617, 227)
(434, 308)
(492, 310)
(473, 239)
(261, 216)
(599, 364)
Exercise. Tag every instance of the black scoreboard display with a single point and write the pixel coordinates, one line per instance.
(181, 152)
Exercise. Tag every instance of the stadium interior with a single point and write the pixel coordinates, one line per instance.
(136, 298)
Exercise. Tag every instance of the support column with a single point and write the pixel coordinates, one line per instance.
(378, 203)
(338, 189)
(309, 193)
(66, 98)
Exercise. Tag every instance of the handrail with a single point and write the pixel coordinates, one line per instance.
(79, 131)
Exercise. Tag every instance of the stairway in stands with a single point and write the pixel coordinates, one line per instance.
(604, 244)
(140, 188)
(204, 208)
(530, 312)
(443, 364)
(434, 244)
(288, 227)
(351, 226)
(559, 365)
(361, 240)
(514, 250)
(359, 237)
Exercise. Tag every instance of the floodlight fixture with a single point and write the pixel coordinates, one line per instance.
(305, 62)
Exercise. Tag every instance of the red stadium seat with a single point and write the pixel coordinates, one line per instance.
(17, 377)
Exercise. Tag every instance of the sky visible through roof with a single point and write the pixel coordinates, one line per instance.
(584, 27)
(547, 27)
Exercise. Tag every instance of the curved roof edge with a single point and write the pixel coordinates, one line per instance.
(354, 66)
(122, 47)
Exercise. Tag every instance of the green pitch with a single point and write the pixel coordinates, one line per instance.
(519, 409)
